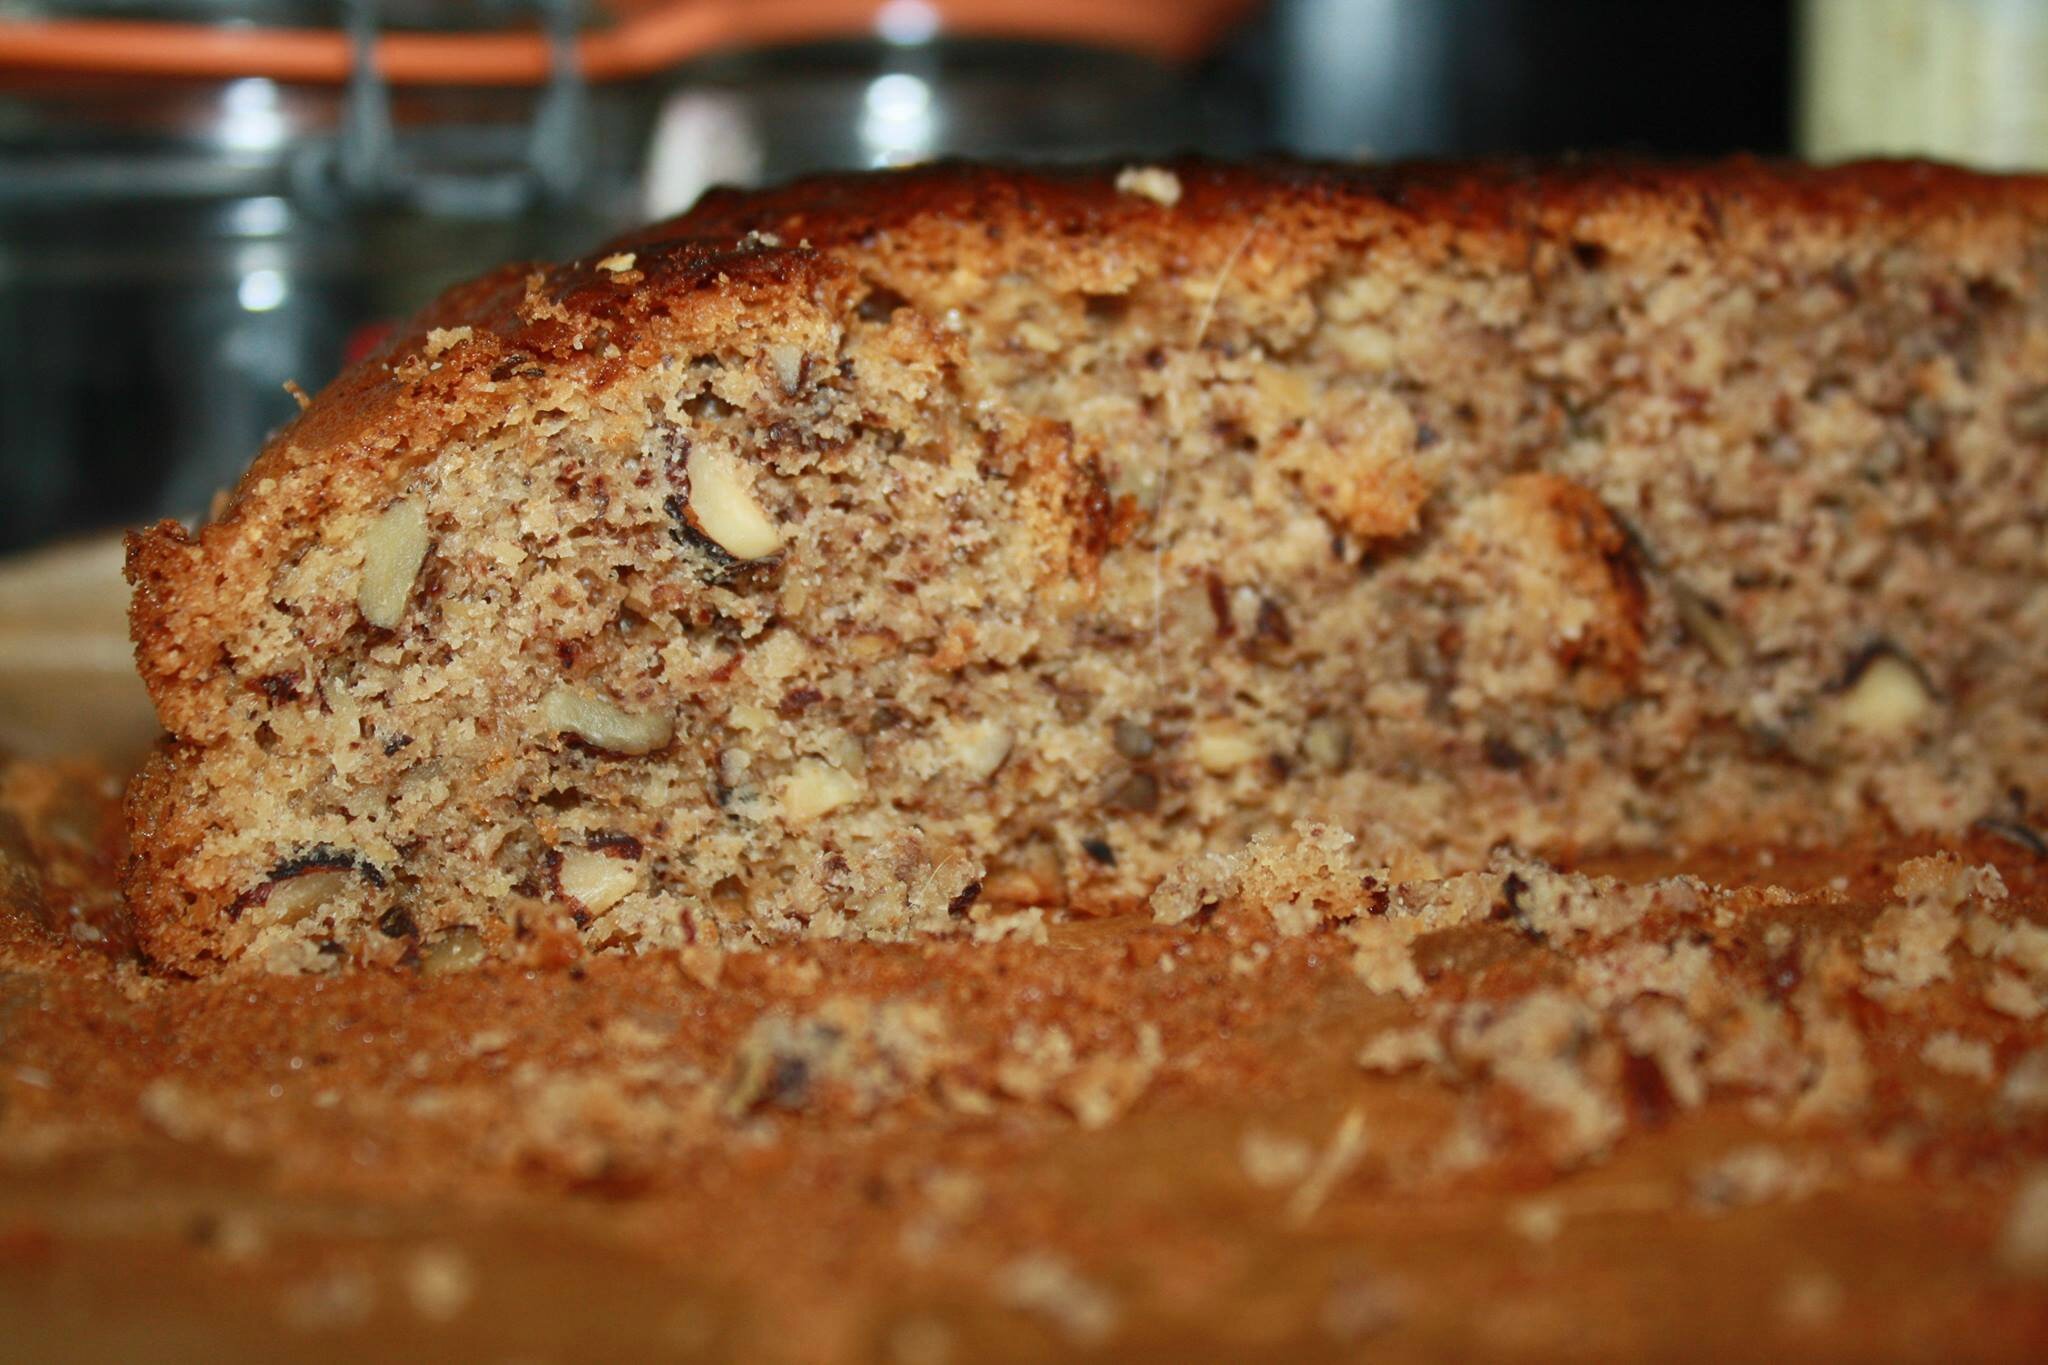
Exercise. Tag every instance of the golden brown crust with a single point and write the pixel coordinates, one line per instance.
(735, 249)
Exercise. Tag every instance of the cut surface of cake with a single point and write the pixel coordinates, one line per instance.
(869, 556)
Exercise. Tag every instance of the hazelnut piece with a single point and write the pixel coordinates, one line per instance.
(596, 881)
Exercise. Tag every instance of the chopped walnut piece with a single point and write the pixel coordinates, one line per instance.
(454, 950)
(1706, 623)
(1222, 747)
(603, 725)
(1326, 742)
(723, 505)
(814, 788)
(1132, 740)
(1885, 698)
(595, 880)
(788, 361)
(394, 547)
(294, 898)
(980, 748)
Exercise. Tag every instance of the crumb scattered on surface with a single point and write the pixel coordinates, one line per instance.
(1955, 1055)
(440, 1282)
(927, 1131)
(1156, 183)
(1050, 1288)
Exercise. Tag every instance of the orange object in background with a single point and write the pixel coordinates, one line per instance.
(195, 213)
(644, 37)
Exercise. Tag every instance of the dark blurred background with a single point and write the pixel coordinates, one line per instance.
(202, 199)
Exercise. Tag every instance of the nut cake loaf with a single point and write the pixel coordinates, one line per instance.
(867, 555)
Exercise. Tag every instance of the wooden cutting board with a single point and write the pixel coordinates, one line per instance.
(67, 671)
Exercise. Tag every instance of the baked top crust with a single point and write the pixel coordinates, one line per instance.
(738, 249)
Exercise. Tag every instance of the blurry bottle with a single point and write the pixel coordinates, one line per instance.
(180, 235)
(1391, 79)
(1959, 80)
